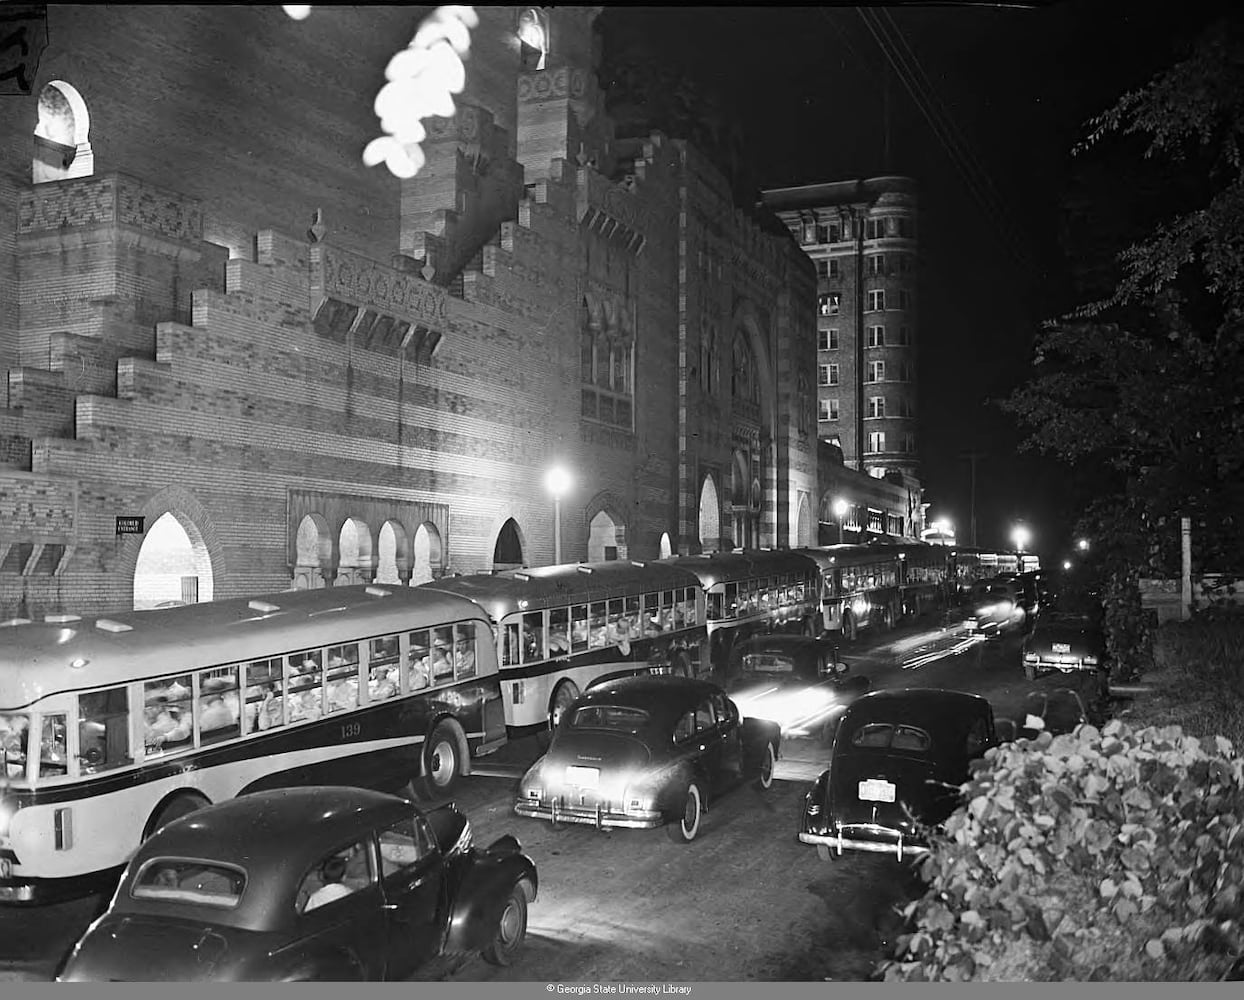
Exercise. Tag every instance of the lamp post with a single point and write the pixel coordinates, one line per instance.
(841, 507)
(1082, 544)
(557, 482)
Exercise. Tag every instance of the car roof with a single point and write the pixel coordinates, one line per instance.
(933, 709)
(658, 694)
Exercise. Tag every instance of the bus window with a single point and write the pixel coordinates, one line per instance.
(512, 651)
(53, 756)
(578, 628)
(103, 730)
(383, 675)
(765, 594)
(442, 650)
(559, 631)
(730, 606)
(596, 625)
(678, 610)
(464, 650)
(714, 606)
(633, 618)
(668, 597)
(419, 674)
(168, 715)
(265, 708)
(342, 677)
(218, 705)
(688, 603)
(304, 682)
(652, 614)
(14, 736)
(613, 626)
(533, 637)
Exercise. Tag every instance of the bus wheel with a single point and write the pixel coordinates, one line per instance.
(848, 627)
(178, 805)
(441, 763)
(563, 697)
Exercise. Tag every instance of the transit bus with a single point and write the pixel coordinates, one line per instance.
(924, 578)
(858, 587)
(110, 727)
(560, 628)
(751, 591)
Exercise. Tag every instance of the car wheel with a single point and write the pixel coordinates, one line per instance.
(441, 766)
(767, 764)
(849, 631)
(684, 828)
(563, 698)
(1030, 670)
(511, 929)
(175, 808)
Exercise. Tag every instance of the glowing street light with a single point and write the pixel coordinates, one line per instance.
(841, 508)
(1066, 564)
(1083, 544)
(558, 482)
(1021, 536)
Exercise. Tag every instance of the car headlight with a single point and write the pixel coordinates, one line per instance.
(1031, 657)
(1091, 660)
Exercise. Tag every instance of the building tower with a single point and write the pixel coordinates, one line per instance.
(861, 235)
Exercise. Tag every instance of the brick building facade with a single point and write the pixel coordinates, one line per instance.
(296, 370)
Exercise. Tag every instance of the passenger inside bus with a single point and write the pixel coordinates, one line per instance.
(441, 666)
(464, 659)
(165, 724)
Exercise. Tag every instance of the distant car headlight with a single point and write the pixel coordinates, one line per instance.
(1091, 660)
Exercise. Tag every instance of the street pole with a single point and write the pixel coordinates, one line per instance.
(839, 531)
(557, 531)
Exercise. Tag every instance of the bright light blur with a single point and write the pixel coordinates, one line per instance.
(943, 526)
(1082, 544)
(299, 12)
(796, 710)
(841, 508)
(1021, 536)
(1066, 564)
(557, 481)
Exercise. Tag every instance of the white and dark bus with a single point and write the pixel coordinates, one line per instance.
(560, 628)
(112, 726)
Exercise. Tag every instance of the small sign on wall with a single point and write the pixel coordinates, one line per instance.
(130, 525)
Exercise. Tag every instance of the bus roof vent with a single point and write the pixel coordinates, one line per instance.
(111, 625)
(15, 621)
(639, 563)
(585, 569)
(522, 576)
(265, 607)
(61, 619)
(378, 591)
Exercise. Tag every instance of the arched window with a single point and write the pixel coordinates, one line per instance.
(62, 143)
(533, 38)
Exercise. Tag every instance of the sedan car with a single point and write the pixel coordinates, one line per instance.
(797, 681)
(993, 606)
(647, 751)
(1066, 642)
(898, 761)
(316, 883)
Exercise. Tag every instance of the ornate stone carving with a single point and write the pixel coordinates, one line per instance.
(115, 198)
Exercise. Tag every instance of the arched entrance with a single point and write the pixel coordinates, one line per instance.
(355, 562)
(394, 554)
(508, 552)
(427, 554)
(314, 548)
(710, 517)
(606, 539)
(173, 565)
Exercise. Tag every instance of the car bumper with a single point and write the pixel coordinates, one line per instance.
(600, 816)
(1061, 665)
(867, 837)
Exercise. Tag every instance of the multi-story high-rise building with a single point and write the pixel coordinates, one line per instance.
(861, 236)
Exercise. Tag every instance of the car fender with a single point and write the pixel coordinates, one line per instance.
(482, 894)
(756, 733)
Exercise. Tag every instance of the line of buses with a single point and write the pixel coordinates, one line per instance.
(112, 726)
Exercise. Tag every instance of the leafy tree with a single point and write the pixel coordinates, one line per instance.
(1142, 390)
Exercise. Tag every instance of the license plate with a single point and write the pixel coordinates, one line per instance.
(583, 777)
(876, 790)
(1062, 647)
(6, 868)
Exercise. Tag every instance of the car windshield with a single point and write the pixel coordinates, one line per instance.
(177, 880)
(613, 717)
(885, 736)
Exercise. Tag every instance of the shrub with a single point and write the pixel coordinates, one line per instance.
(1113, 855)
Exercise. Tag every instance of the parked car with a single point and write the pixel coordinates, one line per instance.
(313, 883)
(1069, 643)
(647, 751)
(798, 681)
(899, 758)
(1055, 711)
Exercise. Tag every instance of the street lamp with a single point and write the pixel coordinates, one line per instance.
(1082, 544)
(557, 482)
(944, 529)
(841, 507)
(1066, 564)
(1020, 535)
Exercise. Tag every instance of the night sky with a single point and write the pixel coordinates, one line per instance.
(819, 100)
